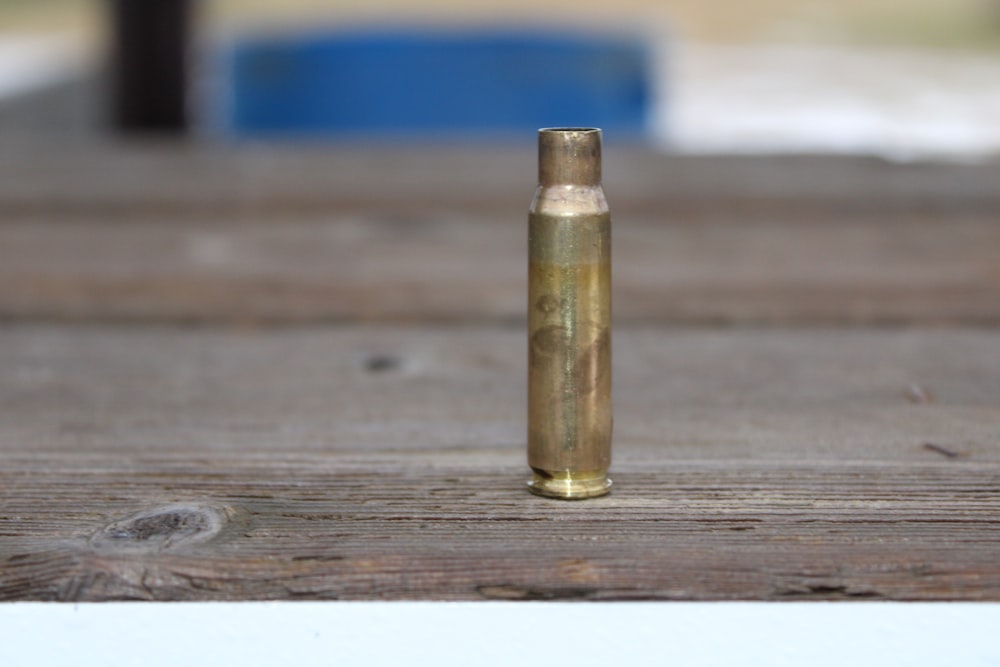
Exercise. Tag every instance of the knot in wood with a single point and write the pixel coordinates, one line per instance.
(162, 528)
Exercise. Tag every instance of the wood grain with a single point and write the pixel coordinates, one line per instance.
(387, 463)
(126, 180)
(283, 373)
(281, 236)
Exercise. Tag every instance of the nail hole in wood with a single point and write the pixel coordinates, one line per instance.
(381, 363)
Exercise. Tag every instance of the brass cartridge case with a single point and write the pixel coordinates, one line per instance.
(569, 319)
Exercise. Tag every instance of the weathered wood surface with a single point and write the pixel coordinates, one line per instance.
(267, 235)
(136, 179)
(286, 447)
(387, 462)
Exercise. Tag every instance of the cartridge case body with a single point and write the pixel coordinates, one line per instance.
(569, 319)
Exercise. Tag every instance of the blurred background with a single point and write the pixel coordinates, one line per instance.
(905, 79)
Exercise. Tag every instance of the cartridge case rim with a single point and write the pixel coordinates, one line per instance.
(567, 485)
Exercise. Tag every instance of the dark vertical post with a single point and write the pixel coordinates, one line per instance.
(149, 48)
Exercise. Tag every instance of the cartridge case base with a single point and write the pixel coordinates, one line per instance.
(569, 485)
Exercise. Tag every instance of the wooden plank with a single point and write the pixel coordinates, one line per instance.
(447, 267)
(387, 463)
(160, 234)
(132, 180)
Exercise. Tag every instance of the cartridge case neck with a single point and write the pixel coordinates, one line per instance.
(569, 156)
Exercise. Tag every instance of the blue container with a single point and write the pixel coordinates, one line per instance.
(372, 83)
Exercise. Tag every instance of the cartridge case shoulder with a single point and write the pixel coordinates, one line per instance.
(569, 200)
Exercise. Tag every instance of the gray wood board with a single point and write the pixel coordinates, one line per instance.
(774, 270)
(134, 178)
(268, 234)
(388, 463)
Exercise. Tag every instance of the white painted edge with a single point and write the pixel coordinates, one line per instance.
(501, 633)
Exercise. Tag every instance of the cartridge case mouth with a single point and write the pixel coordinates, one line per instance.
(569, 156)
(569, 485)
